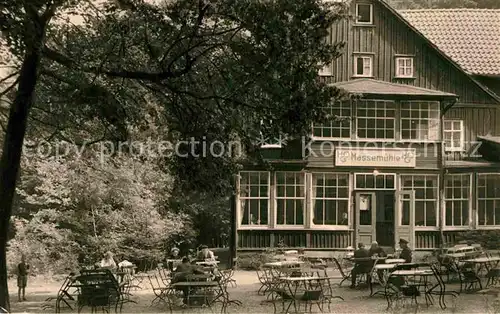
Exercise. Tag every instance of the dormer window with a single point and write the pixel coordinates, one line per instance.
(404, 67)
(364, 13)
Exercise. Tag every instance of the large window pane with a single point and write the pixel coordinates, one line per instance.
(426, 197)
(290, 198)
(339, 122)
(457, 192)
(330, 198)
(419, 120)
(488, 195)
(375, 119)
(254, 197)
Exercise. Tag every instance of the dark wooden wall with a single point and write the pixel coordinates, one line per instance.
(387, 38)
(477, 121)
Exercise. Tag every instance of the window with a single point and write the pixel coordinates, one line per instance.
(488, 199)
(419, 120)
(268, 138)
(457, 189)
(404, 67)
(364, 13)
(426, 197)
(330, 199)
(369, 181)
(325, 70)
(454, 135)
(376, 119)
(254, 197)
(363, 66)
(339, 122)
(290, 198)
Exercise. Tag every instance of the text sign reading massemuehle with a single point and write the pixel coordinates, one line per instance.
(375, 157)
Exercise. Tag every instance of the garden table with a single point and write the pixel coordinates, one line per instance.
(382, 280)
(311, 292)
(283, 264)
(489, 263)
(424, 274)
(395, 261)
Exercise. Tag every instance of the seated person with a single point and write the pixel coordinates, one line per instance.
(174, 254)
(376, 250)
(107, 262)
(182, 272)
(361, 267)
(205, 254)
(405, 251)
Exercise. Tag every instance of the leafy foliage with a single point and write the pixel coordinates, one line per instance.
(81, 208)
(217, 69)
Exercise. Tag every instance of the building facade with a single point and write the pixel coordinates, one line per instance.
(410, 153)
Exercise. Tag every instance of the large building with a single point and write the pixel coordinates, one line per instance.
(413, 152)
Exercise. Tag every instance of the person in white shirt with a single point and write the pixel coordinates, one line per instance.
(206, 254)
(108, 262)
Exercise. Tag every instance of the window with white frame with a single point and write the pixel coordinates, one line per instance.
(420, 120)
(404, 67)
(254, 197)
(326, 70)
(339, 121)
(376, 119)
(330, 199)
(363, 66)
(364, 13)
(369, 181)
(290, 198)
(268, 137)
(426, 197)
(457, 189)
(454, 135)
(488, 199)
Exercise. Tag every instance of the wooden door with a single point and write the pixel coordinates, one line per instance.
(405, 218)
(366, 215)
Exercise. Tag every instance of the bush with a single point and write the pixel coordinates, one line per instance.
(487, 238)
(75, 210)
(254, 260)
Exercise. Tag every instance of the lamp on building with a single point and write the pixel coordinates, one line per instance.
(375, 172)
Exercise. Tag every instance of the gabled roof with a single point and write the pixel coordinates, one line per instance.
(471, 37)
(439, 51)
(374, 87)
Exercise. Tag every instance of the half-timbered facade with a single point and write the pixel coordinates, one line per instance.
(408, 154)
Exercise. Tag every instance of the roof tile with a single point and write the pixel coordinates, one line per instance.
(470, 37)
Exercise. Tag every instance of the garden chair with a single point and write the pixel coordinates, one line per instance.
(160, 290)
(98, 289)
(344, 273)
(63, 295)
(439, 288)
(469, 280)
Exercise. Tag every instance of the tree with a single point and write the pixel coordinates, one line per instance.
(218, 68)
(25, 25)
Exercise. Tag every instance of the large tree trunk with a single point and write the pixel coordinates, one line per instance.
(12, 150)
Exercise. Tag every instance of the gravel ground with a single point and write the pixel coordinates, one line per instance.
(356, 301)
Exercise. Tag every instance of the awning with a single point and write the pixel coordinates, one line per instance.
(371, 88)
(490, 148)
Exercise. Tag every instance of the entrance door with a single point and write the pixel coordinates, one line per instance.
(405, 217)
(366, 211)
